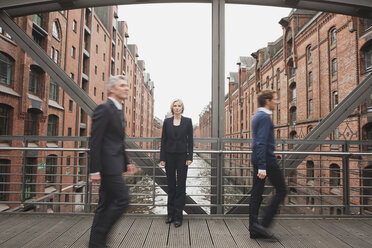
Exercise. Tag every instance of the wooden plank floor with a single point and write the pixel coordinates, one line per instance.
(43, 231)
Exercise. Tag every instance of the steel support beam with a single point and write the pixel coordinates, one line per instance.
(42, 58)
(218, 99)
(362, 8)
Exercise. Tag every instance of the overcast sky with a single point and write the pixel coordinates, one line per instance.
(175, 42)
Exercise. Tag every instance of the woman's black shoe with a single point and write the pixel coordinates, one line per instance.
(169, 220)
(178, 223)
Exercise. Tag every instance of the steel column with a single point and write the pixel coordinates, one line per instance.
(218, 98)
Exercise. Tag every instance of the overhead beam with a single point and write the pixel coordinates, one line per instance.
(361, 8)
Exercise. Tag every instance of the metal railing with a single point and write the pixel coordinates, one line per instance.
(49, 174)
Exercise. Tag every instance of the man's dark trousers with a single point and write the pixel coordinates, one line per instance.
(113, 201)
(276, 178)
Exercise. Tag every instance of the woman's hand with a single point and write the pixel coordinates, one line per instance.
(162, 163)
(188, 162)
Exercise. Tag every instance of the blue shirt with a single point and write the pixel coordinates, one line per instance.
(263, 141)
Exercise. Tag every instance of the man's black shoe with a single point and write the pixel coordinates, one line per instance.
(262, 231)
(169, 219)
(254, 235)
(178, 223)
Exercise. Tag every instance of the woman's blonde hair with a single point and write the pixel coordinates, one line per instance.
(173, 102)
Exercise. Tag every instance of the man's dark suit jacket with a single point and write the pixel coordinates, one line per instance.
(184, 142)
(107, 154)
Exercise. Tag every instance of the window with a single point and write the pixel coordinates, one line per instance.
(95, 91)
(104, 38)
(4, 179)
(293, 113)
(96, 48)
(367, 52)
(73, 51)
(55, 30)
(103, 76)
(5, 119)
(53, 91)
(38, 19)
(310, 80)
(34, 80)
(333, 37)
(309, 55)
(278, 116)
(52, 125)
(6, 69)
(95, 69)
(97, 28)
(335, 99)
(104, 57)
(70, 105)
(56, 56)
(30, 178)
(367, 24)
(103, 96)
(72, 76)
(336, 134)
(52, 53)
(310, 171)
(293, 90)
(334, 68)
(51, 169)
(69, 131)
(334, 175)
(31, 122)
(310, 108)
(74, 25)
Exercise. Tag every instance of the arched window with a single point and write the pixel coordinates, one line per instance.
(5, 119)
(56, 30)
(31, 122)
(34, 86)
(51, 169)
(367, 135)
(333, 37)
(334, 174)
(6, 69)
(310, 80)
(309, 54)
(291, 69)
(52, 125)
(292, 136)
(335, 99)
(293, 112)
(293, 92)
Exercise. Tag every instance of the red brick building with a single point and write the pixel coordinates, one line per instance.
(319, 59)
(90, 45)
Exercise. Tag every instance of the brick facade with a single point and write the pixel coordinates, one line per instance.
(90, 45)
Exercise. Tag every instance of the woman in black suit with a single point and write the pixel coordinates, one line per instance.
(176, 155)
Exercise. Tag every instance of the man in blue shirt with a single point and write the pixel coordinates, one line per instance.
(264, 165)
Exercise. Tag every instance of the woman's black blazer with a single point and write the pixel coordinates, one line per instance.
(184, 142)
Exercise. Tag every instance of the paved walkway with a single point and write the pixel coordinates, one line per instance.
(54, 231)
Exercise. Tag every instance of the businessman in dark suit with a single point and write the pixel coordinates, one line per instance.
(176, 155)
(108, 161)
(264, 165)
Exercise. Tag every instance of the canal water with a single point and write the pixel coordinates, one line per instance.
(197, 186)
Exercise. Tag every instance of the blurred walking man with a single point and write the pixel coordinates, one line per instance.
(109, 161)
(264, 165)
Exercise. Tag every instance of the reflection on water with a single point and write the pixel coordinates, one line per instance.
(198, 187)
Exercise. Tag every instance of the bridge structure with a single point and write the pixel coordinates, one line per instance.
(361, 8)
